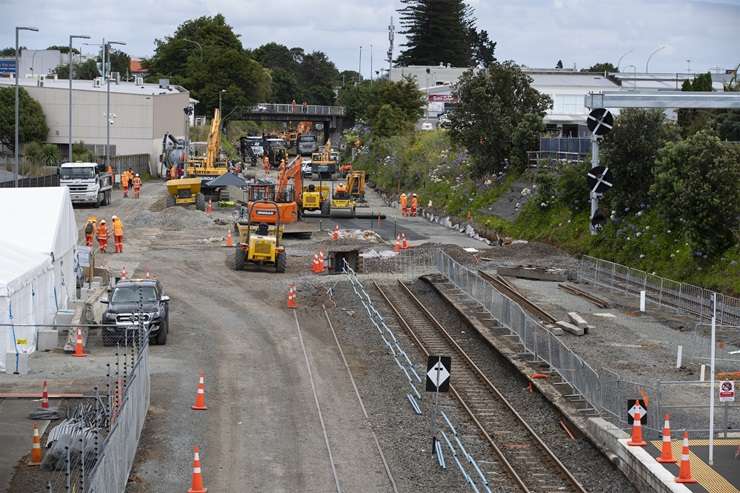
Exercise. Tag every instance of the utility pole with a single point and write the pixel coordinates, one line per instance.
(391, 35)
(106, 72)
(71, 37)
(371, 62)
(359, 67)
(18, 104)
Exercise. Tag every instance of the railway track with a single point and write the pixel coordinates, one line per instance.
(506, 289)
(522, 453)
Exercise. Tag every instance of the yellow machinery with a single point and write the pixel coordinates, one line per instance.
(342, 203)
(259, 242)
(200, 169)
(356, 187)
(324, 163)
(316, 198)
(184, 191)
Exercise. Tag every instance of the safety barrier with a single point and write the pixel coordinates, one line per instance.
(33, 181)
(309, 109)
(97, 443)
(680, 296)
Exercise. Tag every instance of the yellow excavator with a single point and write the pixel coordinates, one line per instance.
(324, 163)
(199, 170)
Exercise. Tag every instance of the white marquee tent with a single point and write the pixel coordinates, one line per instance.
(38, 251)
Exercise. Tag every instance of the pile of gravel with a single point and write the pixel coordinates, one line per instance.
(172, 218)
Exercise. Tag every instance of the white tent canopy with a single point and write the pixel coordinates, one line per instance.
(37, 262)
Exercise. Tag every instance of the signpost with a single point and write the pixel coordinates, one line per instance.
(633, 406)
(726, 395)
(438, 380)
(7, 66)
(600, 122)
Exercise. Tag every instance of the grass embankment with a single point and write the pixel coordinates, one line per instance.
(425, 163)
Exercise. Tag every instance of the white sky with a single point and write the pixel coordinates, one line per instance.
(535, 33)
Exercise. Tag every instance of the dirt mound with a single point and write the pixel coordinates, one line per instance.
(172, 218)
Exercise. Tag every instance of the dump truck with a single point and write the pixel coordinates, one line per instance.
(88, 183)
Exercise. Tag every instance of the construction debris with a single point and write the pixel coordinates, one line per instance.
(570, 328)
(534, 272)
(578, 320)
(357, 234)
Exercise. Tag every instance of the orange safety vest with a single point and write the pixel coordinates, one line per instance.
(118, 228)
(137, 182)
(102, 231)
(403, 201)
(124, 179)
(414, 202)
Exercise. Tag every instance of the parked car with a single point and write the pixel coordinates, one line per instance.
(427, 126)
(132, 301)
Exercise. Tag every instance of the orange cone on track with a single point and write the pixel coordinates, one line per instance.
(79, 347)
(124, 274)
(335, 233)
(200, 394)
(321, 262)
(229, 239)
(666, 453)
(196, 485)
(637, 440)
(315, 264)
(684, 471)
(209, 207)
(291, 298)
(404, 243)
(45, 396)
(36, 447)
(397, 244)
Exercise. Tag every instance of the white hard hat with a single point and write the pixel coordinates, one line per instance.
(102, 221)
(114, 217)
(137, 174)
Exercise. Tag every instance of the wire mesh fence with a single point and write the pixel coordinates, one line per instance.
(409, 263)
(683, 297)
(93, 448)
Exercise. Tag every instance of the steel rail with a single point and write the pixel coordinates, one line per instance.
(518, 298)
(559, 468)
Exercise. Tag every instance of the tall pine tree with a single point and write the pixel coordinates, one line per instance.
(437, 31)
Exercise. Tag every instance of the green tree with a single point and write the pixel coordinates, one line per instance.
(481, 48)
(692, 120)
(603, 67)
(437, 31)
(526, 137)
(349, 77)
(727, 124)
(10, 51)
(629, 150)
(63, 49)
(492, 105)
(32, 120)
(218, 61)
(697, 190)
(365, 102)
(120, 62)
(317, 76)
(87, 70)
(80, 152)
(41, 154)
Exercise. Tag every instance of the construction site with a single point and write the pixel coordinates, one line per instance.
(295, 353)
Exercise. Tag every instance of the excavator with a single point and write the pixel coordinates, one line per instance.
(324, 163)
(287, 198)
(199, 170)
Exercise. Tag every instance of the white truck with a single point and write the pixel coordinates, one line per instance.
(88, 183)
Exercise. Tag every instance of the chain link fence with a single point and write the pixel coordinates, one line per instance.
(683, 297)
(409, 263)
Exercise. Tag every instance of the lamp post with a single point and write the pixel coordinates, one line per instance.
(197, 44)
(17, 104)
(634, 75)
(219, 100)
(71, 37)
(656, 50)
(106, 72)
(619, 62)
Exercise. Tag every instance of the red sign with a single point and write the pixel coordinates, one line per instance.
(442, 98)
(727, 391)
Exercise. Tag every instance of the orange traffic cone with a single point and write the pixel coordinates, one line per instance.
(209, 207)
(35, 448)
(79, 348)
(335, 233)
(397, 244)
(45, 396)
(637, 440)
(147, 275)
(684, 471)
(315, 264)
(404, 243)
(321, 262)
(666, 454)
(292, 301)
(229, 239)
(124, 274)
(196, 485)
(200, 394)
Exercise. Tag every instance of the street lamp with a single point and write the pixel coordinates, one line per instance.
(219, 100)
(106, 72)
(17, 104)
(71, 37)
(656, 50)
(634, 75)
(624, 55)
(197, 44)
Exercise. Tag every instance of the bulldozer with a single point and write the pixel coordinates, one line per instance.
(259, 242)
(199, 170)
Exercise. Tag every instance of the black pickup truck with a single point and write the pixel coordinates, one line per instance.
(130, 299)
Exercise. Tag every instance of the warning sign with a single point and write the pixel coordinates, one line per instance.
(727, 391)
(633, 407)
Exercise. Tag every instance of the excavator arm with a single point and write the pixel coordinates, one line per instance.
(291, 172)
(214, 139)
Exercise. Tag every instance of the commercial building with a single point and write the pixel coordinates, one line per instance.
(140, 114)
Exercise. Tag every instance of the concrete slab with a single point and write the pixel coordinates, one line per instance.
(17, 431)
(568, 327)
(578, 320)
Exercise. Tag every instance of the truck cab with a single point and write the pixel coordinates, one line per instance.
(88, 183)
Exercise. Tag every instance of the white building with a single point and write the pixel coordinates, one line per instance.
(38, 251)
(140, 114)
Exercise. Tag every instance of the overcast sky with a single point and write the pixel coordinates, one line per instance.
(535, 33)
